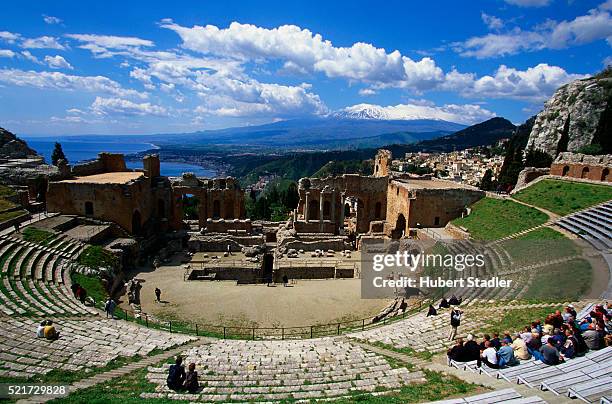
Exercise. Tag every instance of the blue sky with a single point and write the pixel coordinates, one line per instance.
(155, 67)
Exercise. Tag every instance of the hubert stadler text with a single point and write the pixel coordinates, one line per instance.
(438, 282)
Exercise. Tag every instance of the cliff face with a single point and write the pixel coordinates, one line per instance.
(12, 147)
(577, 115)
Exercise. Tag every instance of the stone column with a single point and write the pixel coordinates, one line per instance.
(306, 202)
(332, 209)
(321, 211)
(342, 197)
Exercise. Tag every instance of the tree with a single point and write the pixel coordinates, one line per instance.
(486, 184)
(58, 154)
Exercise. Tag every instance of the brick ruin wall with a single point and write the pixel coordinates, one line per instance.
(575, 165)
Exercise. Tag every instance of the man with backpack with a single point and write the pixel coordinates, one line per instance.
(455, 321)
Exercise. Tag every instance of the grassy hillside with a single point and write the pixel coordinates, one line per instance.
(492, 219)
(564, 197)
(7, 208)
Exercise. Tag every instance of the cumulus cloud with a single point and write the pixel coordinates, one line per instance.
(595, 25)
(28, 56)
(466, 113)
(8, 36)
(533, 84)
(61, 81)
(529, 3)
(57, 62)
(42, 42)
(301, 49)
(111, 106)
(367, 91)
(48, 19)
(102, 46)
(6, 53)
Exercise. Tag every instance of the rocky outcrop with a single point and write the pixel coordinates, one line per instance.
(574, 117)
(527, 175)
(11, 147)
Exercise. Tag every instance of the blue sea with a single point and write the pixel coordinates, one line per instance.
(79, 150)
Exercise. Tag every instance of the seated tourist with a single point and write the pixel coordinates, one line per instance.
(608, 324)
(191, 379)
(456, 352)
(40, 330)
(471, 348)
(505, 355)
(49, 331)
(526, 334)
(453, 301)
(432, 311)
(568, 312)
(489, 356)
(550, 354)
(557, 319)
(537, 325)
(594, 337)
(558, 338)
(519, 346)
(485, 338)
(495, 341)
(545, 336)
(443, 304)
(507, 337)
(176, 375)
(569, 347)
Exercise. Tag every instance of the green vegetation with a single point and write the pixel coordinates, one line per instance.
(274, 203)
(592, 149)
(8, 209)
(58, 154)
(425, 355)
(97, 257)
(566, 281)
(564, 197)
(493, 219)
(38, 236)
(363, 167)
(6, 216)
(6, 191)
(539, 245)
(516, 319)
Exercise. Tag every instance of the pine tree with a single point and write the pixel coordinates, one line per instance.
(486, 184)
(58, 154)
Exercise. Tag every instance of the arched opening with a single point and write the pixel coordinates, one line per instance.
(190, 207)
(161, 208)
(347, 210)
(400, 227)
(605, 174)
(326, 210)
(585, 172)
(565, 171)
(89, 210)
(313, 210)
(378, 210)
(136, 222)
(437, 221)
(216, 209)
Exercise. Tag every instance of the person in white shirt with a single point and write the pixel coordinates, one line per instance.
(40, 331)
(489, 356)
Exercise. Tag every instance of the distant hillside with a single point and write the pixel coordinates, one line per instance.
(13, 147)
(318, 133)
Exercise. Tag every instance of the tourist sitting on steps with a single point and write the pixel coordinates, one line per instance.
(550, 354)
(40, 331)
(432, 311)
(570, 345)
(443, 304)
(50, 332)
(191, 379)
(488, 356)
(453, 301)
(505, 355)
(472, 350)
(176, 375)
(74, 288)
(519, 346)
(495, 341)
(457, 352)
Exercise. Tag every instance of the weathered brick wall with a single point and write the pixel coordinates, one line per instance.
(382, 163)
(576, 165)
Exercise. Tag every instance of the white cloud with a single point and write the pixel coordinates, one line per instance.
(119, 106)
(595, 25)
(6, 53)
(494, 23)
(57, 62)
(529, 3)
(367, 91)
(8, 36)
(104, 46)
(51, 20)
(61, 81)
(466, 113)
(533, 84)
(28, 56)
(301, 49)
(42, 42)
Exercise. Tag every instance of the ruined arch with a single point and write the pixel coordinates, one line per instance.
(378, 211)
(585, 172)
(89, 208)
(216, 209)
(326, 210)
(313, 210)
(605, 174)
(400, 227)
(565, 171)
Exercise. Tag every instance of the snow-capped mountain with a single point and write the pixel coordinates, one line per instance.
(363, 111)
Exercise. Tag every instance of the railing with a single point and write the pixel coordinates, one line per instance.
(259, 333)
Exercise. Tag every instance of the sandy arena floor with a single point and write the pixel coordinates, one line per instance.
(304, 303)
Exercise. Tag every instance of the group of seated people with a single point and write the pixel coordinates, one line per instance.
(444, 304)
(561, 337)
(179, 380)
(47, 330)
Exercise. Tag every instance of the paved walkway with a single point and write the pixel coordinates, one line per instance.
(551, 215)
(122, 371)
(36, 217)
